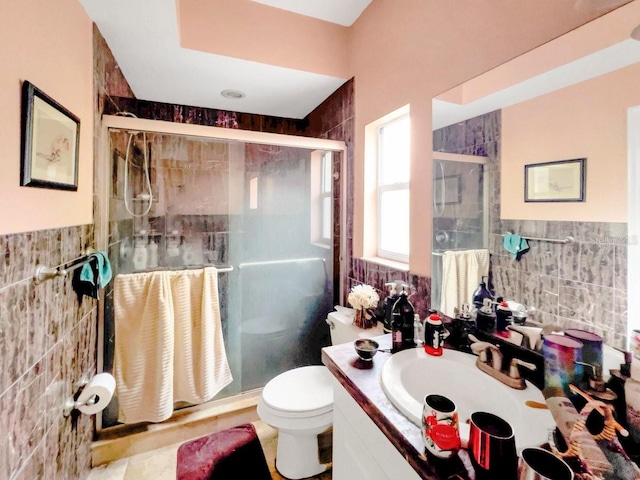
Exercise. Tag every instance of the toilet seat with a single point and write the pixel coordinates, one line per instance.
(300, 393)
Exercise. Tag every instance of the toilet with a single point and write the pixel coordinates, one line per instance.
(299, 403)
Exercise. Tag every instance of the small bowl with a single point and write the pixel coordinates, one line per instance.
(366, 348)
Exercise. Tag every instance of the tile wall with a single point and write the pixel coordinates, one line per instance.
(47, 343)
(583, 285)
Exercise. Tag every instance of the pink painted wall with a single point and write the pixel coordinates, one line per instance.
(256, 32)
(410, 51)
(603, 32)
(584, 120)
(52, 48)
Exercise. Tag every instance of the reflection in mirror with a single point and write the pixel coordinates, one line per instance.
(459, 225)
(567, 99)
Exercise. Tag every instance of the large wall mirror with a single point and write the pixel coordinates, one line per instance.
(573, 98)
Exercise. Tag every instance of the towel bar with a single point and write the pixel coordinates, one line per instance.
(44, 273)
(280, 262)
(567, 240)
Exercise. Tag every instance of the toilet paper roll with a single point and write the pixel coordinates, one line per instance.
(102, 387)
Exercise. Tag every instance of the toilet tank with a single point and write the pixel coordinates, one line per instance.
(343, 330)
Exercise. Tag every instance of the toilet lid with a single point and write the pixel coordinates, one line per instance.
(304, 389)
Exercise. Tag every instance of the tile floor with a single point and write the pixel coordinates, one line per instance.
(160, 464)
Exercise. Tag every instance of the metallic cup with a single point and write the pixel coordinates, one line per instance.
(492, 447)
(539, 464)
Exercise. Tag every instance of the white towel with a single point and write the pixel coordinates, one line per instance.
(169, 345)
(462, 271)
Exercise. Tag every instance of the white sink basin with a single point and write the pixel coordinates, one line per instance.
(408, 376)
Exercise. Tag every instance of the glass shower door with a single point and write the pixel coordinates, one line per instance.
(259, 213)
(284, 270)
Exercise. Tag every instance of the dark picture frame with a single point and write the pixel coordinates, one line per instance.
(50, 142)
(559, 181)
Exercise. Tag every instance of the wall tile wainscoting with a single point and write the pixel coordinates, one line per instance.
(47, 343)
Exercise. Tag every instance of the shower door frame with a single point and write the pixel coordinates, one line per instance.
(102, 176)
(462, 158)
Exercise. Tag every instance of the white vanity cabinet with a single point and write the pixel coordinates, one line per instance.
(360, 449)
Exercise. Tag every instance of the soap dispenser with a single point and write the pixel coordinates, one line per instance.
(402, 322)
(389, 302)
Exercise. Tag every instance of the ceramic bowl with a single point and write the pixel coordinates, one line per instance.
(366, 348)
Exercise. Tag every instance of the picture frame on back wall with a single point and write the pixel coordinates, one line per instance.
(559, 181)
(50, 142)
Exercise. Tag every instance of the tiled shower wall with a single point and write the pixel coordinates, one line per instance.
(583, 285)
(47, 344)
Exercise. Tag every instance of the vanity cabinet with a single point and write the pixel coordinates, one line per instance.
(360, 449)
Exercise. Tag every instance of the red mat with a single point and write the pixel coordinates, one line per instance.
(231, 454)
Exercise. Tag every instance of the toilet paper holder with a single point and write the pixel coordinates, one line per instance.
(70, 403)
(103, 388)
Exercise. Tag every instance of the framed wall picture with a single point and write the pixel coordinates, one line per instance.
(560, 181)
(50, 141)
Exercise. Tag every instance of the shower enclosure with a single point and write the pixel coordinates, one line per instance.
(260, 211)
(460, 214)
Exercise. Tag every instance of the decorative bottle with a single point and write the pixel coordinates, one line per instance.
(434, 334)
(481, 293)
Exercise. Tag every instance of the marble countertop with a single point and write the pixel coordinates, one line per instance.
(363, 384)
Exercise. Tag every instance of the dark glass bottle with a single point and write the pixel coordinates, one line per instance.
(481, 293)
(402, 323)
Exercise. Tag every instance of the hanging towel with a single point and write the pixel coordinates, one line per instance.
(462, 270)
(168, 342)
(103, 269)
(515, 245)
(94, 275)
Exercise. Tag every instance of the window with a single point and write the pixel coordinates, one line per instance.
(326, 189)
(322, 197)
(393, 189)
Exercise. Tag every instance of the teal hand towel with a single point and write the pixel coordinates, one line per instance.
(104, 270)
(514, 244)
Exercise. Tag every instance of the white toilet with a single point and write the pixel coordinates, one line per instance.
(299, 403)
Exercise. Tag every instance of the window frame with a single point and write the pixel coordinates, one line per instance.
(381, 189)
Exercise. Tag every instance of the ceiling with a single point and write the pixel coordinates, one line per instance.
(341, 12)
(143, 36)
(148, 38)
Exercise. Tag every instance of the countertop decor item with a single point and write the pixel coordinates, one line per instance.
(364, 299)
(366, 348)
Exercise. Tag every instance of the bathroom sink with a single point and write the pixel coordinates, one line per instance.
(411, 374)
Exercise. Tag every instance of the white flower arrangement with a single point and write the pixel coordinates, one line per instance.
(363, 298)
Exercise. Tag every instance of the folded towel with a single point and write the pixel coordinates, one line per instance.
(514, 244)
